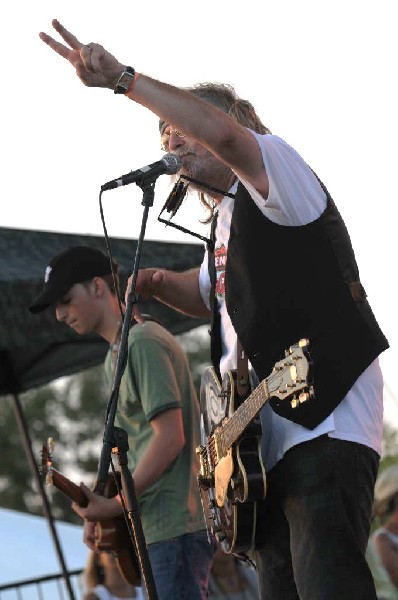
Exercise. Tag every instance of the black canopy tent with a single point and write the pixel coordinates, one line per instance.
(35, 349)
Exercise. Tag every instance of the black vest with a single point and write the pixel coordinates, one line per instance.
(287, 283)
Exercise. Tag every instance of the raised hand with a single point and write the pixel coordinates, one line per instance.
(94, 65)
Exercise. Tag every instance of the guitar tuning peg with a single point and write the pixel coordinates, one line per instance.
(304, 396)
(304, 342)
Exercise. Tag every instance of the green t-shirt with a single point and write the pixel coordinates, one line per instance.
(157, 378)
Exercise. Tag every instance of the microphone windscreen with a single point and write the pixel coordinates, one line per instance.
(173, 163)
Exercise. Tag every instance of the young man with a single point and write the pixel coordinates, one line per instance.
(158, 409)
(284, 270)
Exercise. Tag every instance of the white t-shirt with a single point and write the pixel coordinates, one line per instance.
(295, 198)
(104, 594)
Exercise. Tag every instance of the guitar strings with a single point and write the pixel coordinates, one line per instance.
(229, 434)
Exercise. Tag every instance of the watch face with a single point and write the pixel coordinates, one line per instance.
(124, 82)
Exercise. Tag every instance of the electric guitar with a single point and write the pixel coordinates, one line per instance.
(232, 476)
(112, 534)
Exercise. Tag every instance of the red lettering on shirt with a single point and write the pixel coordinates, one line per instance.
(220, 259)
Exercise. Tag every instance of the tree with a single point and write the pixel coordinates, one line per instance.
(390, 446)
(71, 411)
(56, 410)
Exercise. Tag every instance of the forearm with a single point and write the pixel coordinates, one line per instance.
(158, 456)
(181, 291)
(189, 114)
(178, 290)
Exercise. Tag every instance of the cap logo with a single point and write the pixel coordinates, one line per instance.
(47, 274)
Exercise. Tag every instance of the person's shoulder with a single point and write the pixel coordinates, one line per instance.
(152, 332)
(150, 329)
(100, 592)
(383, 533)
(90, 596)
(383, 541)
(273, 145)
(270, 139)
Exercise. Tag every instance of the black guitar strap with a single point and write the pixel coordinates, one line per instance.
(215, 342)
(242, 372)
(243, 385)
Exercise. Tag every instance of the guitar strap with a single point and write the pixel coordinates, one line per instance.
(215, 337)
(243, 386)
(242, 371)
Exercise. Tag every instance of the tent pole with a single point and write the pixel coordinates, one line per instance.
(23, 429)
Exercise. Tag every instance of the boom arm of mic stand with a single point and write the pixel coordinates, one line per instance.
(113, 435)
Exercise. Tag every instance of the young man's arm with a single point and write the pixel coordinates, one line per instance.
(167, 441)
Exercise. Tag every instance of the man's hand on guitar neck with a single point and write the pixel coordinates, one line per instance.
(99, 508)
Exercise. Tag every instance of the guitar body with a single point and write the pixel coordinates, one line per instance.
(232, 484)
(112, 534)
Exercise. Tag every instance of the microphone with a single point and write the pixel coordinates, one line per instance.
(168, 165)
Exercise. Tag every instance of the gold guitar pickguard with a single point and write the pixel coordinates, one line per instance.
(222, 476)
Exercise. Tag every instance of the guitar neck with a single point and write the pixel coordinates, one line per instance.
(67, 487)
(245, 414)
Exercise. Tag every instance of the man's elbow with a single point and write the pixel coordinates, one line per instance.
(178, 443)
(181, 442)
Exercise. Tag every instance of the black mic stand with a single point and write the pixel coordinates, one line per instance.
(115, 439)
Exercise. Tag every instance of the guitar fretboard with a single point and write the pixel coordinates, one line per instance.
(244, 414)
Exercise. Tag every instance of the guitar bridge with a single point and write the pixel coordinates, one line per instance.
(205, 477)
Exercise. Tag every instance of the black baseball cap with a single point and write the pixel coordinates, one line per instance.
(74, 265)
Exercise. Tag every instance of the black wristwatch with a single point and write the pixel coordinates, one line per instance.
(125, 80)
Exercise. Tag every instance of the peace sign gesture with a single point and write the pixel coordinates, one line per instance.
(94, 65)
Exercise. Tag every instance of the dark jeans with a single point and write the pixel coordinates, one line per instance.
(181, 566)
(313, 526)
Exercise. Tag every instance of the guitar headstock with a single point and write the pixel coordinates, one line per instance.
(290, 377)
(47, 459)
